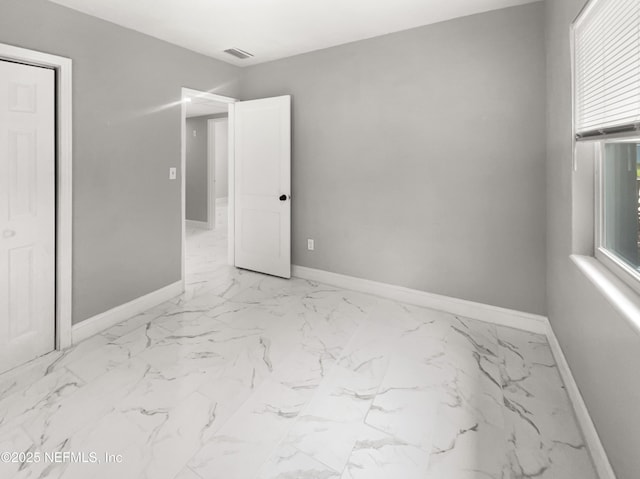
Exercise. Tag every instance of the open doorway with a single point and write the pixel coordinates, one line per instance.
(258, 207)
(206, 162)
(205, 184)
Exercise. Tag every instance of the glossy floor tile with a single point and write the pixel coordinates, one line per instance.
(250, 376)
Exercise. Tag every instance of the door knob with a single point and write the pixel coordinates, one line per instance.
(8, 233)
(283, 197)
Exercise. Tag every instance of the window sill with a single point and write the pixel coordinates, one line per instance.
(621, 296)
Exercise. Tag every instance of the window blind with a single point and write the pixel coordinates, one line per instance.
(607, 68)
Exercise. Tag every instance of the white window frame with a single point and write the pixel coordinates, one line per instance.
(610, 260)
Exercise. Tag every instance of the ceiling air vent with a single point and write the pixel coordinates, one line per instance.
(236, 52)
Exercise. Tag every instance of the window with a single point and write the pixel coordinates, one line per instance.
(618, 206)
(606, 39)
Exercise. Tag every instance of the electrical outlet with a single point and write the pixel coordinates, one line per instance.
(310, 244)
(172, 173)
(194, 133)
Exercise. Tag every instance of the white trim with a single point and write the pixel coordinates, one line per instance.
(483, 312)
(64, 160)
(231, 188)
(183, 183)
(620, 268)
(211, 175)
(622, 297)
(583, 13)
(572, 50)
(197, 224)
(190, 93)
(598, 190)
(102, 321)
(592, 440)
(491, 314)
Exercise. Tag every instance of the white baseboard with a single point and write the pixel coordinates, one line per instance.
(491, 314)
(102, 321)
(594, 445)
(484, 312)
(197, 224)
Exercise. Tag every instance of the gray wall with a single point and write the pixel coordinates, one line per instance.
(418, 157)
(126, 135)
(221, 149)
(196, 178)
(603, 351)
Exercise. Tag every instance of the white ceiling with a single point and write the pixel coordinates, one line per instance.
(272, 29)
(200, 107)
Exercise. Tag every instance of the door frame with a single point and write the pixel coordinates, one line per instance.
(63, 181)
(211, 175)
(188, 93)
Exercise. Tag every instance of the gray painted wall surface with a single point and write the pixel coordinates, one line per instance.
(602, 349)
(196, 178)
(221, 151)
(126, 135)
(418, 157)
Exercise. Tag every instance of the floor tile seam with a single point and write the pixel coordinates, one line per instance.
(352, 339)
(333, 373)
(89, 427)
(194, 297)
(282, 441)
(58, 401)
(203, 315)
(70, 434)
(439, 395)
(83, 381)
(567, 405)
(18, 422)
(41, 378)
(205, 443)
(318, 460)
(326, 380)
(501, 397)
(110, 342)
(519, 352)
(306, 406)
(234, 414)
(11, 383)
(228, 420)
(117, 406)
(155, 431)
(190, 470)
(95, 353)
(137, 354)
(566, 408)
(406, 443)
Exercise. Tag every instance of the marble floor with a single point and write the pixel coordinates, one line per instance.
(250, 376)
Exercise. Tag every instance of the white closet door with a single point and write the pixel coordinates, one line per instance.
(27, 213)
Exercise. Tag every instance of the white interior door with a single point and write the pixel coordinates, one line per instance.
(262, 151)
(27, 213)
